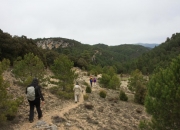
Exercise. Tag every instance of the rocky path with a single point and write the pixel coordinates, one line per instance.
(46, 121)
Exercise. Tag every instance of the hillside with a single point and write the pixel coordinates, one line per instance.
(98, 54)
(108, 113)
(160, 56)
(12, 47)
(125, 58)
(83, 55)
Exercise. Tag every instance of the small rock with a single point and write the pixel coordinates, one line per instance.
(138, 110)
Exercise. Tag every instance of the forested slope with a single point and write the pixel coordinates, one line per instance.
(159, 56)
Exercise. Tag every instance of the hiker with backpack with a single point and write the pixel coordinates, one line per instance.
(34, 96)
(77, 91)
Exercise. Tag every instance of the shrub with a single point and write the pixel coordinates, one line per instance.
(103, 93)
(86, 97)
(123, 96)
(114, 83)
(88, 89)
(137, 84)
(144, 125)
(104, 81)
(140, 94)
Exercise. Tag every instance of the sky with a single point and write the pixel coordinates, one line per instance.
(111, 22)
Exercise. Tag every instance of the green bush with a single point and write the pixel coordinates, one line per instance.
(88, 89)
(27, 81)
(123, 96)
(145, 125)
(86, 97)
(103, 93)
(140, 94)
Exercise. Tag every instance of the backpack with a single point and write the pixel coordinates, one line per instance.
(31, 93)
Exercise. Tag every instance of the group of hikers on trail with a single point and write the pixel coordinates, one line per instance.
(77, 89)
(92, 80)
(35, 97)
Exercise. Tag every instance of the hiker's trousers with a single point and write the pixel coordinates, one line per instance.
(76, 96)
(35, 103)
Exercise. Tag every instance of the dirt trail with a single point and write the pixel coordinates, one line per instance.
(55, 111)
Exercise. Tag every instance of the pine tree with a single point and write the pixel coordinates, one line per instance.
(137, 84)
(163, 97)
(62, 68)
(31, 66)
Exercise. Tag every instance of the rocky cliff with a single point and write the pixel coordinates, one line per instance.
(52, 44)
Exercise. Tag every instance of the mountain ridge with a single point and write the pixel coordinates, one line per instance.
(149, 45)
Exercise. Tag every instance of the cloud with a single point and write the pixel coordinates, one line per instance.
(111, 22)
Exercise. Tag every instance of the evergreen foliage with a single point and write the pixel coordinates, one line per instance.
(104, 81)
(84, 55)
(29, 67)
(123, 96)
(51, 56)
(163, 96)
(103, 93)
(159, 56)
(88, 89)
(62, 68)
(86, 97)
(12, 47)
(114, 82)
(8, 107)
(109, 78)
(137, 84)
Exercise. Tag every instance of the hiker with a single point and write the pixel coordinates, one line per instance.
(77, 91)
(94, 80)
(36, 102)
(91, 80)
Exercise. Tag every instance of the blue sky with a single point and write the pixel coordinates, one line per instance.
(111, 22)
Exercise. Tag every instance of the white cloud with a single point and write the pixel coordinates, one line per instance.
(111, 22)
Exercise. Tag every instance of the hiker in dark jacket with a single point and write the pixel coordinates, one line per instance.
(36, 102)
